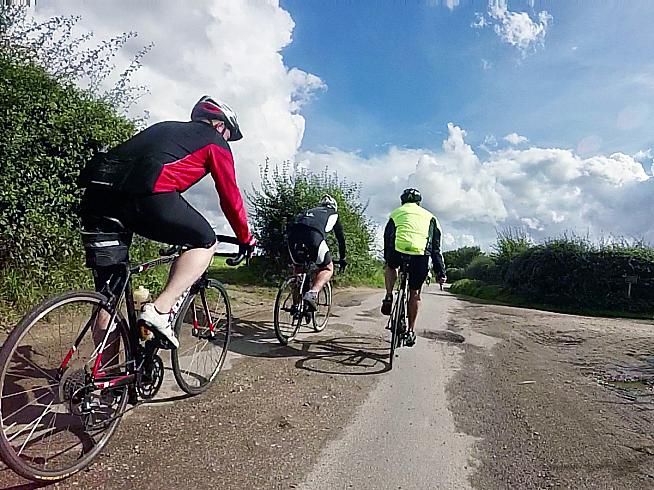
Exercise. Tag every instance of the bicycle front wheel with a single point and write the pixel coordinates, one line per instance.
(203, 327)
(288, 311)
(323, 307)
(53, 420)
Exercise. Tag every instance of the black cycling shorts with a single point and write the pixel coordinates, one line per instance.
(418, 267)
(166, 217)
(305, 244)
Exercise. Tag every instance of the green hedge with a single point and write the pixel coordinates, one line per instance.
(576, 273)
(478, 289)
(455, 274)
(49, 130)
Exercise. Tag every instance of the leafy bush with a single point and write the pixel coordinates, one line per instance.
(568, 273)
(285, 192)
(511, 242)
(575, 272)
(461, 257)
(478, 289)
(455, 274)
(50, 128)
(483, 268)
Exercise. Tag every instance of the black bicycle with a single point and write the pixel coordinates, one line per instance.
(397, 322)
(73, 363)
(292, 311)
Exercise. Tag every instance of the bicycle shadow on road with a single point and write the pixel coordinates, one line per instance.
(354, 355)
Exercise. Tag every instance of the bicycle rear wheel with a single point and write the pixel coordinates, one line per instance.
(53, 421)
(203, 327)
(323, 308)
(288, 310)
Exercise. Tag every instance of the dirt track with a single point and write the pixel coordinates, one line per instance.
(551, 400)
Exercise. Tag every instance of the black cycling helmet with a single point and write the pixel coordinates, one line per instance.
(411, 195)
(208, 108)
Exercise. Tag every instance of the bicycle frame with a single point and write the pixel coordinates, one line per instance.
(119, 286)
(401, 301)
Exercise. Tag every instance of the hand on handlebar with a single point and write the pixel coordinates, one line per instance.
(342, 264)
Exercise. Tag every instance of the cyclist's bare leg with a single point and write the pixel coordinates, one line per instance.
(414, 303)
(185, 271)
(390, 276)
(323, 275)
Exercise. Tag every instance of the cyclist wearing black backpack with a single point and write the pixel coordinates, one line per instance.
(137, 187)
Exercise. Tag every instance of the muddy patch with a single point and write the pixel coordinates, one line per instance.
(558, 402)
(443, 336)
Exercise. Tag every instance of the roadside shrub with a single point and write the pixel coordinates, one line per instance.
(285, 192)
(478, 289)
(483, 268)
(574, 272)
(454, 274)
(511, 242)
(461, 257)
(49, 128)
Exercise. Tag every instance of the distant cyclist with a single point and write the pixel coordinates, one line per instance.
(307, 242)
(412, 233)
(139, 185)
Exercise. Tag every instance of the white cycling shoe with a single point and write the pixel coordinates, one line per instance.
(159, 323)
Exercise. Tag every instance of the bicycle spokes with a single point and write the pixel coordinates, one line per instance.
(51, 413)
(203, 329)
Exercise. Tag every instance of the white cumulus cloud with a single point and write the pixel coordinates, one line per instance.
(544, 190)
(515, 28)
(515, 138)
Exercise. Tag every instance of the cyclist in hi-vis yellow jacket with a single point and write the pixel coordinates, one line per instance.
(414, 234)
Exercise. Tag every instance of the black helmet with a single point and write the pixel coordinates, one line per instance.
(208, 108)
(411, 195)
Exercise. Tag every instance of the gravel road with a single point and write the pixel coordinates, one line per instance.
(530, 399)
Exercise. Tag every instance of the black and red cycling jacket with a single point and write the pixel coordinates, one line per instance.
(172, 156)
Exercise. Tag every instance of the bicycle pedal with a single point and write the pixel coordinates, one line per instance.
(158, 341)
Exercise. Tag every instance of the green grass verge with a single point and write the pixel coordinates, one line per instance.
(496, 294)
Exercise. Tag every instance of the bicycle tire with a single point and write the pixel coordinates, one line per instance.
(320, 322)
(13, 459)
(204, 337)
(396, 319)
(281, 304)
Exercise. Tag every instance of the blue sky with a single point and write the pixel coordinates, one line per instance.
(397, 72)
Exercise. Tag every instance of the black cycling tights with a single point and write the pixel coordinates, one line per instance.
(165, 217)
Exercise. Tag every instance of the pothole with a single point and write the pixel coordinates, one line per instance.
(443, 335)
(633, 382)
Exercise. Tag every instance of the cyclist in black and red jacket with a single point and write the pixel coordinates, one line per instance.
(139, 185)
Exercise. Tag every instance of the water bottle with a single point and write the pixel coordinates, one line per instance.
(141, 296)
